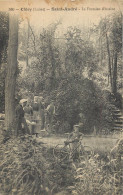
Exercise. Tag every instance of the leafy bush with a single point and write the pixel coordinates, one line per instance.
(74, 96)
(23, 167)
(28, 167)
(96, 176)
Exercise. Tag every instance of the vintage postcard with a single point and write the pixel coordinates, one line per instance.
(61, 117)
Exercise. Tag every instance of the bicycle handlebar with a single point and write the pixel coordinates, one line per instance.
(72, 141)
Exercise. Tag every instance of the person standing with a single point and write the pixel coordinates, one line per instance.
(28, 111)
(41, 111)
(19, 114)
(49, 113)
(36, 114)
(21, 125)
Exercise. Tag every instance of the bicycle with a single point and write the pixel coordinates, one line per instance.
(64, 151)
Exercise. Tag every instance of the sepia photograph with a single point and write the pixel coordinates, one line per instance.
(61, 116)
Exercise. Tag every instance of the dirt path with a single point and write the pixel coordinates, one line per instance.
(96, 143)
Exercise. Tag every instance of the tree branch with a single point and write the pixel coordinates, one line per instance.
(34, 41)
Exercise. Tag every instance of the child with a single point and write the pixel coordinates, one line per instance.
(73, 139)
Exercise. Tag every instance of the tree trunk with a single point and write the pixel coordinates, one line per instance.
(10, 80)
(109, 62)
(52, 64)
(27, 45)
(114, 82)
(100, 46)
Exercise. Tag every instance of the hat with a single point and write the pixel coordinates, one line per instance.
(76, 125)
(23, 100)
(36, 98)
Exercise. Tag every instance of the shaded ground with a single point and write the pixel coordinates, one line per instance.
(96, 143)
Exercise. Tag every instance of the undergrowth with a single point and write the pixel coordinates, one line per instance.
(27, 167)
(97, 176)
(23, 167)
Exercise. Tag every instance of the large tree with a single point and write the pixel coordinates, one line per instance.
(3, 36)
(3, 55)
(10, 81)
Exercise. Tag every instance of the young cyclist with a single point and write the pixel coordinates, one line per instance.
(73, 140)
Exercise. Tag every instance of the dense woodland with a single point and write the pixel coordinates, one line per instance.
(81, 70)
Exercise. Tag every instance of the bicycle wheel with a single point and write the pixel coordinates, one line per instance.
(60, 152)
(86, 152)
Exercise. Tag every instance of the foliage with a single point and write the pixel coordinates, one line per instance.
(73, 71)
(109, 48)
(96, 176)
(60, 175)
(80, 52)
(44, 61)
(23, 167)
(28, 167)
(75, 96)
(72, 93)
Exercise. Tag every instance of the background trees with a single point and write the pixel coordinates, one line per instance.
(73, 71)
(66, 69)
(109, 32)
(80, 53)
(77, 69)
